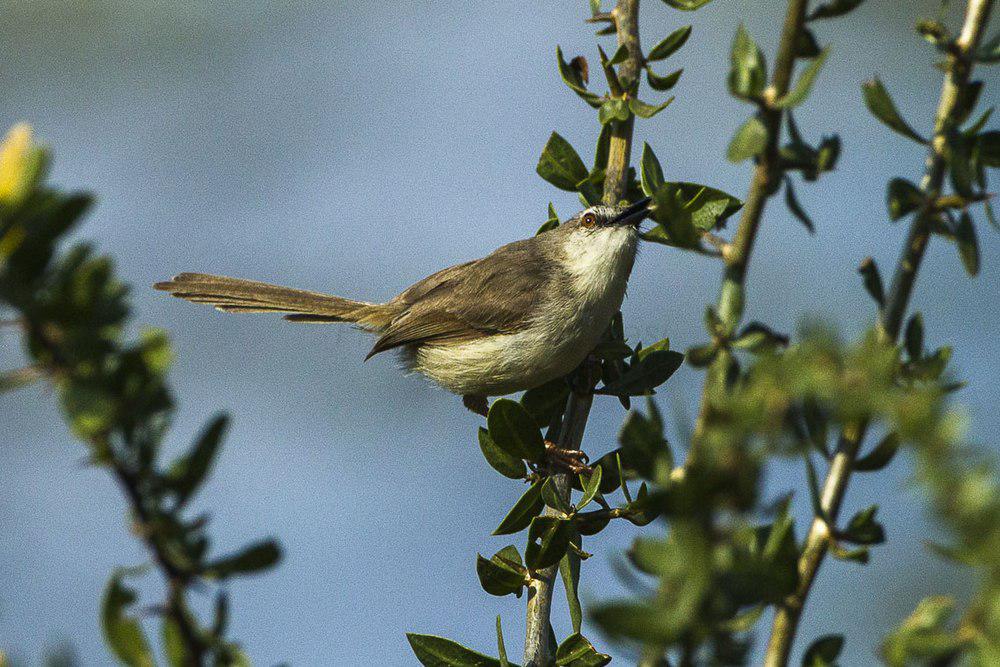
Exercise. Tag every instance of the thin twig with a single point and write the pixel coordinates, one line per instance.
(737, 254)
(537, 652)
(890, 322)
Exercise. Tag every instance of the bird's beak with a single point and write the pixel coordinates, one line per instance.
(634, 214)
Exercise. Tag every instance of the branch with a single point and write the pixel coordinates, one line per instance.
(890, 321)
(737, 254)
(537, 651)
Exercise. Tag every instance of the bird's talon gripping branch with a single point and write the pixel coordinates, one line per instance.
(566, 460)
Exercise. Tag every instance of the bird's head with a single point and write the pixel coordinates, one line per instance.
(603, 218)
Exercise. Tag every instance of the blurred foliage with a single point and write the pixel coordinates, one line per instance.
(73, 313)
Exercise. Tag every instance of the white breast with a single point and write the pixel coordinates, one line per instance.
(597, 264)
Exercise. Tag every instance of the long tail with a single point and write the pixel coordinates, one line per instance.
(235, 295)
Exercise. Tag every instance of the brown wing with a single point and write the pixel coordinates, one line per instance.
(495, 294)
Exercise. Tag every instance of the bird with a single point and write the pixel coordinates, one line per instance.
(526, 314)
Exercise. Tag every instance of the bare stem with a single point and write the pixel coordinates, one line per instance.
(737, 254)
(890, 322)
(537, 651)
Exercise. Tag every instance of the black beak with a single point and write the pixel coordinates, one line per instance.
(634, 214)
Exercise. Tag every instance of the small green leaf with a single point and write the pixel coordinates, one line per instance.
(647, 374)
(806, 45)
(613, 109)
(864, 529)
(747, 73)
(792, 202)
(525, 509)
(504, 463)
(879, 457)
(572, 78)
(879, 102)
(872, 280)
(902, 198)
(569, 570)
(687, 5)
(968, 245)
(643, 446)
(500, 577)
(548, 539)
(620, 55)
(249, 560)
(123, 633)
(173, 643)
(670, 44)
(501, 649)
(186, 475)
(643, 110)
(552, 497)
(663, 83)
(514, 430)
(546, 403)
(560, 165)
(651, 173)
(748, 142)
(434, 651)
(832, 9)
(551, 222)
(803, 85)
(824, 651)
(756, 337)
(577, 651)
(856, 555)
(591, 487)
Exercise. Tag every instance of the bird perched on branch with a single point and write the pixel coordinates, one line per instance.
(528, 313)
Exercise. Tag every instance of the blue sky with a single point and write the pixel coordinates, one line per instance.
(354, 148)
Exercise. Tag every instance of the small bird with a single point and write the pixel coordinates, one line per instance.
(526, 314)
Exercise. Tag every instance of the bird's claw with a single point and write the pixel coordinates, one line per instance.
(566, 460)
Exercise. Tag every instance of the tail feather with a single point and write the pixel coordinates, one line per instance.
(235, 295)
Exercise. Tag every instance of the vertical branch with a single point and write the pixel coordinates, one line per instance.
(737, 254)
(537, 651)
(890, 321)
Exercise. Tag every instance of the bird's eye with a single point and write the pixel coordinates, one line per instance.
(589, 220)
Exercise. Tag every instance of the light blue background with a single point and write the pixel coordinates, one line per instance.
(356, 147)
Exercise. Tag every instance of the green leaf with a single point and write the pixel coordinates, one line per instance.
(649, 372)
(571, 77)
(824, 651)
(879, 102)
(832, 9)
(513, 429)
(756, 337)
(434, 651)
(548, 539)
(250, 560)
(749, 141)
(914, 337)
(501, 575)
(123, 633)
(569, 570)
(173, 643)
(687, 5)
(591, 487)
(560, 165)
(670, 44)
(792, 202)
(872, 280)
(620, 55)
(525, 509)
(501, 649)
(902, 198)
(643, 447)
(551, 222)
(747, 72)
(186, 475)
(879, 457)
(813, 483)
(651, 173)
(968, 245)
(683, 210)
(662, 83)
(803, 85)
(613, 109)
(546, 403)
(858, 555)
(552, 497)
(806, 45)
(863, 529)
(504, 463)
(643, 110)
(577, 651)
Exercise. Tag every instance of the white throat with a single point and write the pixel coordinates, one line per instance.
(599, 261)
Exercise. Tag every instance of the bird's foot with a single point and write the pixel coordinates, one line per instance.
(565, 460)
(477, 403)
